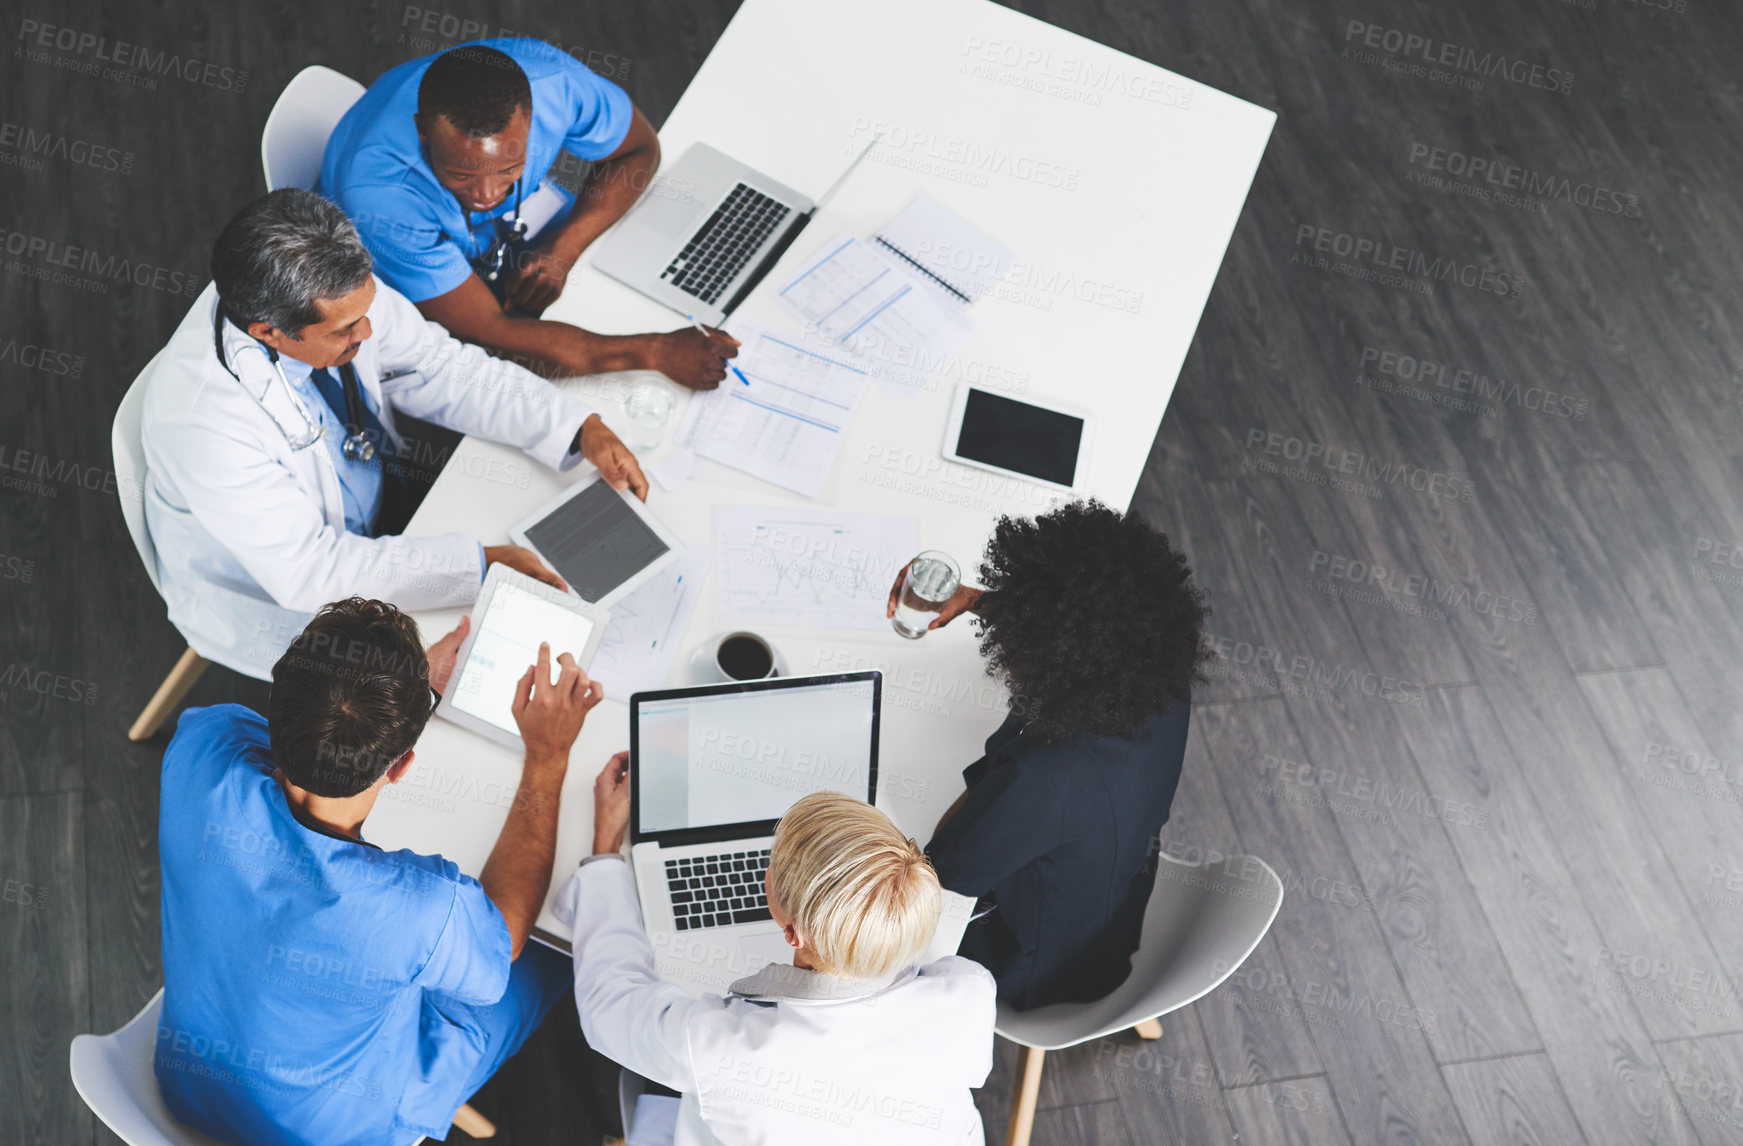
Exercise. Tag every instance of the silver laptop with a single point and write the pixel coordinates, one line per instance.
(707, 231)
(711, 770)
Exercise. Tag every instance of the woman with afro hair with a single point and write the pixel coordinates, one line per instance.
(1091, 619)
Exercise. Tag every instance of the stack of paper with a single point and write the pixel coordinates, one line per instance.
(784, 419)
(898, 300)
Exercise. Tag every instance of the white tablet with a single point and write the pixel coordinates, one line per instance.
(602, 542)
(1044, 443)
(513, 614)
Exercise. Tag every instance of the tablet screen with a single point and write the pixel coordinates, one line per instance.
(507, 642)
(596, 542)
(1015, 436)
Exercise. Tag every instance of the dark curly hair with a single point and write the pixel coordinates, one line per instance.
(1092, 619)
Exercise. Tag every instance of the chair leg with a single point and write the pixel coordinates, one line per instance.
(169, 694)
(1149, 1029)
(473, 1123)
(1028, 1092)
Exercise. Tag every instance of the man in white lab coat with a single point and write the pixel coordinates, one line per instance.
(276, 479)
(850, 1044)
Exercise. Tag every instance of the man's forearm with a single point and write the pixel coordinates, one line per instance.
(557, 349)
(611, 189)
(518, 873)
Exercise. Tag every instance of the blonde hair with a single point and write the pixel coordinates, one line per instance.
(863, 897)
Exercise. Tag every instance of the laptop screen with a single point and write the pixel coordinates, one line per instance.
(738, 756)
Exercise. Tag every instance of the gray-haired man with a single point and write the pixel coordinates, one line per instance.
(276, 477)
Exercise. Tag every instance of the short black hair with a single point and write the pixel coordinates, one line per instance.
(349, 697)
(477, 89)
(280, 255)
(1092, 619)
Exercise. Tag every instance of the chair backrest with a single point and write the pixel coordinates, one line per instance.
(1200, 925)
(129, 449)
(113, 1074)
(295, 136)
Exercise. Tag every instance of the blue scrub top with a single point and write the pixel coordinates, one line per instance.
(299, 966)
(421, 238)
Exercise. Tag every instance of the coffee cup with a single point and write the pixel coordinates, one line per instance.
(743, 656)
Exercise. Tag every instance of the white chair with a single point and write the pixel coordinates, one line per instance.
(129, 449)
(1200, 925)
(114, 1075)
(295, 136)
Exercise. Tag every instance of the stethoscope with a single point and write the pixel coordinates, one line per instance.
(517, 228)
(355, 448)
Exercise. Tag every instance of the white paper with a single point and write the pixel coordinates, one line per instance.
(673, 470)
(852, 294)
(784, 421)
(640, 643)
(809, 567)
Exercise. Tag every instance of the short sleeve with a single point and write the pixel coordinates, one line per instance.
(412, 253)
(601, 112)
(1007, 820)
(472, 956)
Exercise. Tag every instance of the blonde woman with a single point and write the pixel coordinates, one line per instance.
(852, 1042)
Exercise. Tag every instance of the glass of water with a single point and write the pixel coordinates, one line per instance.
(647, 408)
(932, 579)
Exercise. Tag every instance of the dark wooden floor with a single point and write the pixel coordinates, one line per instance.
(1500, 776)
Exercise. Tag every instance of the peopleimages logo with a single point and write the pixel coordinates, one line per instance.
(1417, 51)
(38, 39)
(1413, 372)
(1369, 468)
(1532, 184)
(1388, 257)
(1422, 587)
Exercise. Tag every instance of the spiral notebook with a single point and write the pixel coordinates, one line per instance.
(947, 251)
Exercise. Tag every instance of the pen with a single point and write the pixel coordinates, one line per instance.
(704, 331)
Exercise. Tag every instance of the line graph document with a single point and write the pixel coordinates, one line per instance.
(809, 567)
(636, 652)
(784, 421)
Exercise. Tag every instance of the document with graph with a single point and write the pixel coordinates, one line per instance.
(640, 643)
(785, 419)
(810, 568)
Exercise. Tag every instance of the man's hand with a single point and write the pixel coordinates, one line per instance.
(693, 359)
(538, 280)
(550, 716)
(614, 461)
(523, 560)
(441, 655)
(611, 805)
(962, 601)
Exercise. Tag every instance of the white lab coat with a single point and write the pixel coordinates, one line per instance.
(250, 534)
(790, 1057)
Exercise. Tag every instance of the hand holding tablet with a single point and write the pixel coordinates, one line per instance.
(513, 617)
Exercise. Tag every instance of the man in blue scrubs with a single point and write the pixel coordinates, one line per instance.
(316, 988)
(444, 165)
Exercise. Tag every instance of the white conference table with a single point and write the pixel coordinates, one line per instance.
(1117, 185)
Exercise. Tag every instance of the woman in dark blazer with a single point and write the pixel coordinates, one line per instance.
(1091, 618)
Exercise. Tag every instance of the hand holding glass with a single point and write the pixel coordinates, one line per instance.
(930, 582)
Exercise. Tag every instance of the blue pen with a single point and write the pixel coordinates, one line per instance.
(704, 331)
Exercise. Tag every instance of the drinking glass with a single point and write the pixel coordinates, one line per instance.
(647, 407)
(932, 579)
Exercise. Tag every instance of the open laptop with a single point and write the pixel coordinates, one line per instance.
(711, 770)
(708, 231)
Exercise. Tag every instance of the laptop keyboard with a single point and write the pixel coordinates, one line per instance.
(721, 247)
(718, 890)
